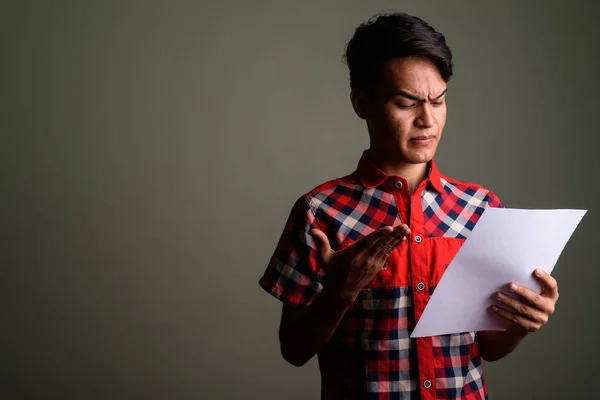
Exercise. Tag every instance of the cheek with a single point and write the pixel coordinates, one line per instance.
(399, 122)
(441, 119)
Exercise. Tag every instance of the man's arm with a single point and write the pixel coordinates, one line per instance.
(304, 332)
(495, 345)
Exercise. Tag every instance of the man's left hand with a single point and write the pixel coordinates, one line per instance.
(533, 310)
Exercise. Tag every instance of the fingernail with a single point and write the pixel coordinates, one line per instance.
(513, 287)
(500, 296)
(539, 272)
(495, 308)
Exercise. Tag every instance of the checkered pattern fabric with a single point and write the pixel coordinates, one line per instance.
(371, 354)
(455, 214)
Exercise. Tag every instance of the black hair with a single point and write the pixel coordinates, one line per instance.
(387, 36)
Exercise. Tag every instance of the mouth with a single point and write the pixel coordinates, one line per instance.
(422, 139)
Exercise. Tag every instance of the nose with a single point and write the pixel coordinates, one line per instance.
(425, 117)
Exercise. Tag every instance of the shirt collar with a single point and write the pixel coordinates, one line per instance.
(371, 176)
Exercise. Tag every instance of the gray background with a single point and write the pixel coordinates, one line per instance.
(150, 153)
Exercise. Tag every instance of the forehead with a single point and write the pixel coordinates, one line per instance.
(416, 75)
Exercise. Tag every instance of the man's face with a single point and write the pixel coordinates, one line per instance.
(407, 111)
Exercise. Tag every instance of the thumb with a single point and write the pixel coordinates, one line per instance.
(322, 244)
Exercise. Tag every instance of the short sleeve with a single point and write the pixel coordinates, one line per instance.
(293, 274)
(493, 200)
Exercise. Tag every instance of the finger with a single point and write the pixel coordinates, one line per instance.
(537, 300)
(373, 238)
(522, 308)
(390, 240)
(384, 252)
(402, 230)
(524, 323)
(322, 244)
(550, 284)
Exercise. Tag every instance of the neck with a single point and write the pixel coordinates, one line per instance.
(413, 173)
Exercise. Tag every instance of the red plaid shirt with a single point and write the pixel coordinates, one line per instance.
(371, 354)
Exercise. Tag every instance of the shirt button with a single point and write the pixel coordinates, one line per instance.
(399, 185)
(427, 384)
(418, 239)
(421, 286)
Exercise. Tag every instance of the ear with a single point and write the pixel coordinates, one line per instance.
(360, 102)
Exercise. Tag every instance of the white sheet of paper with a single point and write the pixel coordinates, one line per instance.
(506, 245)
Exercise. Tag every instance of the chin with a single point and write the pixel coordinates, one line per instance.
(418, 158)
(417, 154)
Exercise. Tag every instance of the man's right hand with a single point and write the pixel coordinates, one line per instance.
(304, 332)
(351, 269)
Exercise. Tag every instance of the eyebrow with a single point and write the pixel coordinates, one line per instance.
(413, 97)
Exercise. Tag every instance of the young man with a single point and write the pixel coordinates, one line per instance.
(361, 255)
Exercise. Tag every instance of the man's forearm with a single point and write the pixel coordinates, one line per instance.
(495, 345)
(304, 332)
